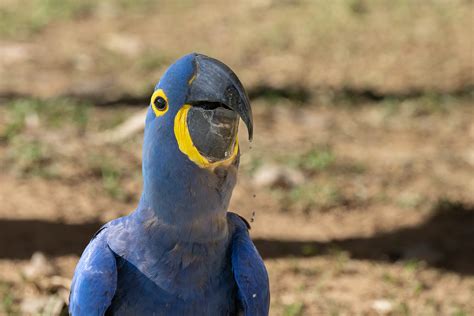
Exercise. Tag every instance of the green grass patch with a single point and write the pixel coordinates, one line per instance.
(52, 113)
(152, 60)
(30, 158)
(253, 164)
(7, 300)
(295, 309)
(111, 175)
(460, 312)
(21, 19)
(426, 104)
(316, 159)
(312, 196)
(412, 265)
(410, 200)
(403, 309)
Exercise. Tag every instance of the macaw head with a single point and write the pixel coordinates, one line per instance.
(191, 150)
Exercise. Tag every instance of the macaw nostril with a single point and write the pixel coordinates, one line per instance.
(213, 131)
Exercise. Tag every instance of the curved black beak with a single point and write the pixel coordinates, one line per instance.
(215, 83)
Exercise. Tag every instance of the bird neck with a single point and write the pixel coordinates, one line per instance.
(201, 227)
(185, 195)
(178, 192)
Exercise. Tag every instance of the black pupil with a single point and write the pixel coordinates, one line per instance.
(160, 103)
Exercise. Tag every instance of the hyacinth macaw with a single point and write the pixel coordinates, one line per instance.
(181, 252)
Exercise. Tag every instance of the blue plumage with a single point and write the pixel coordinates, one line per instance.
(95, 281)
(180, 252)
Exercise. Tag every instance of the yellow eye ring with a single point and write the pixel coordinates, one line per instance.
(159, 102)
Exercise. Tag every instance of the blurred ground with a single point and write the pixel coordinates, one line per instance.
(361, 175)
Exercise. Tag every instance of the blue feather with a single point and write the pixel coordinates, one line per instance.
(249, 271)
(95, 280)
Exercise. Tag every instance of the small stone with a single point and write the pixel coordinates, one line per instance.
(277, 176)
(32, 120)
(124, 44)
(33, 305)
(469, 156)
(15, 53)
(54, 306)
(38, 267)
(382, 306)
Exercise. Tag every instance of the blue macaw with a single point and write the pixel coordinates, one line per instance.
(181, 252)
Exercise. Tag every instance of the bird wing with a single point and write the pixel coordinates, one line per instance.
(95, 278)
(249, 271)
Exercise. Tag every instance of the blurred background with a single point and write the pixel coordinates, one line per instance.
(361, 174)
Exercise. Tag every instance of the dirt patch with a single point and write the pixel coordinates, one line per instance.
(363, 108)
(384, 47)
(391, 221)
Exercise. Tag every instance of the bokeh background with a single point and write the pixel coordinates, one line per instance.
(360, 177)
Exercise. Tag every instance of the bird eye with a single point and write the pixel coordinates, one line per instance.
(160, 103)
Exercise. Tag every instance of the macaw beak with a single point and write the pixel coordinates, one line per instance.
(218, 99)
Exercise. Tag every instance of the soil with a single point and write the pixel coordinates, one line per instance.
(376, 216)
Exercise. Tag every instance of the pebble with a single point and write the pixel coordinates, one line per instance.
(382, 306)
(278, 176)
(38, 267)
(33, 305)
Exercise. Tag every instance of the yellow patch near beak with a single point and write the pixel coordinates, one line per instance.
(186, 146)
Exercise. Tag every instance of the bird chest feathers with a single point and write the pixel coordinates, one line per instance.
(167, 264)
